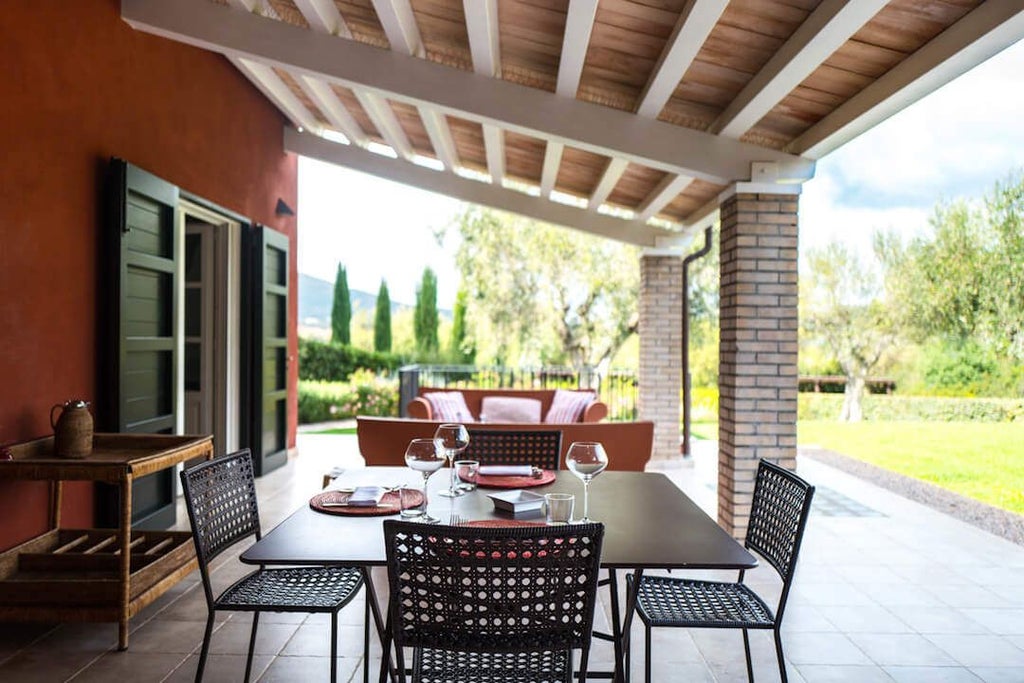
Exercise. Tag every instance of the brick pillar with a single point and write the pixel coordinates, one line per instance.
(757, 372)
(661, 343)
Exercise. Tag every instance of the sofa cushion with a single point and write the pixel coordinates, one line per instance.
(509, 409)
(449, 406)
(567, 406)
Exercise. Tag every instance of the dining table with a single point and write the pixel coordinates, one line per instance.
(650, 523)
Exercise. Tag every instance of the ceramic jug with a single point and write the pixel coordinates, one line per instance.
(72, 431)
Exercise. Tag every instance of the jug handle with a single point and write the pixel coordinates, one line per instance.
(53, 423)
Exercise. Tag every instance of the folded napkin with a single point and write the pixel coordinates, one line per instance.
(366, 496)
(506, 470)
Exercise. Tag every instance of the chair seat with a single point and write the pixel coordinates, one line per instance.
(666, 601)
(306, 589)
(446, 666)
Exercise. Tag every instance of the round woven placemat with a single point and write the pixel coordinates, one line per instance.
(503, 522)
(513, 482)
(413, 499)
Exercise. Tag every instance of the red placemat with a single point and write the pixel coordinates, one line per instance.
(513, 482)
(413, 499)
(503, 522)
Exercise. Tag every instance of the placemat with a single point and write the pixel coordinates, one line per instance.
(513, 482)
(391, 498)
(503, 522)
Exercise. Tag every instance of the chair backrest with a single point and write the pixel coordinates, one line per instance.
(540, 448)
(492, 589)
(220, 496)
(778, 516)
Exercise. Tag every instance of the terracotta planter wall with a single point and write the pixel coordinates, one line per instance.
(81, 86)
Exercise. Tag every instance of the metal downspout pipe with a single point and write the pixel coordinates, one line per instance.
(686, 337)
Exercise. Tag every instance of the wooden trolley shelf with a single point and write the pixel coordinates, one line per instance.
(96, 574)
(76, 572)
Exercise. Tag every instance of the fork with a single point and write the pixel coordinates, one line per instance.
(457, 520)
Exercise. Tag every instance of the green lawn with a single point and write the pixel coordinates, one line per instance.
(336, 430)
(984, 461)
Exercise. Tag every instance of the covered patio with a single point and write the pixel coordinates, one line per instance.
(887, 591)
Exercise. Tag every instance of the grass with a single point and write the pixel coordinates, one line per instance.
(336, 430)
(981, 460)
(984, 461)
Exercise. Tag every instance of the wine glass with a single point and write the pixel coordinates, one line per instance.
(422, 456)
(586, 459)
(453, 439)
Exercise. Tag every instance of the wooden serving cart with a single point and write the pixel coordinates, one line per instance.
(96, 574)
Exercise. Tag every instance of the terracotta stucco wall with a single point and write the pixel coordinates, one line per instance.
(79, 87)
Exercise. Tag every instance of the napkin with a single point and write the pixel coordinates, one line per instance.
(506, 470)
(367, 496)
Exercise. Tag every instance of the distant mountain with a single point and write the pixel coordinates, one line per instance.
(316, 298)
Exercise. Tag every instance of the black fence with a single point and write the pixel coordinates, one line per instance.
(618, 389)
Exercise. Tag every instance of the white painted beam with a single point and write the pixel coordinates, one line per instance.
(386, 122)
(452, 185)
(549, 173)
(494, 147)
(400, 26)
(484, 39)
(440, 138)
(661, 196)
(524, 110)
(275, 90)
(612, 172)
(982, 33)
(691, 31)
(323, 16)
(334, 110)
(826, 30)
(578, 25)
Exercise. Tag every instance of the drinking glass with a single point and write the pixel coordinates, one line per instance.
(452, 439)
(586, 459)
(422, 456)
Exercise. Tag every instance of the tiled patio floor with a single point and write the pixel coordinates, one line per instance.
(886, 590)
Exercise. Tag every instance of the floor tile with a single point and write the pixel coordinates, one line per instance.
(901, 649)
(938, 620)
(137, 667)
(995, 674)
(864, 619)
(824, 648)
(829, 673)
(233, 638)
(931, 674)
(981, 650)
(1004, 622)
(219, 668)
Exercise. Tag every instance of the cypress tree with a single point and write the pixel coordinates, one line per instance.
(382, 320)
(341, 311)
(457, 345)
(425, 317)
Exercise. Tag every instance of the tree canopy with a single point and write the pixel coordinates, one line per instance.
(460, 346)
(341, 311)
(545, 294)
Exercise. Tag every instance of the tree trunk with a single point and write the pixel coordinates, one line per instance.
(852, 394)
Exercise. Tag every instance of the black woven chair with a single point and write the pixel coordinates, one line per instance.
(220, 496)
(778, 517)
(540, 448)
(491, 604)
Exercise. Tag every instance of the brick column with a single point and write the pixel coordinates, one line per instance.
(661, 343)
(757, 373)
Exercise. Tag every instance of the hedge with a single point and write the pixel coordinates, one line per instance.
(882, 408)
(326, 362)
(323, 401)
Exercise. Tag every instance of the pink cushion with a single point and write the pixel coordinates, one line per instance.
(449, 406)
(568, 406)
(509, 409)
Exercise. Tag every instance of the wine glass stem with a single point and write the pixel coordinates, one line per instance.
(451, 461)
(586, 500)
(426, 476)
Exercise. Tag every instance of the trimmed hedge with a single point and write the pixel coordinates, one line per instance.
(881, 408)
(365, 395)
(326, 362)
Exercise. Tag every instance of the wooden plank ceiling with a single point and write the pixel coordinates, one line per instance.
(634, 115)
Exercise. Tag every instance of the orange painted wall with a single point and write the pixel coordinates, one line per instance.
(79, 87)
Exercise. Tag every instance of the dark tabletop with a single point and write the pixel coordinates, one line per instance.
(648, 522)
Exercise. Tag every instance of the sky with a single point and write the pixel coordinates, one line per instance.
(956, 142)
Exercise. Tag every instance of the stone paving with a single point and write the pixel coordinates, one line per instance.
(886, 590)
